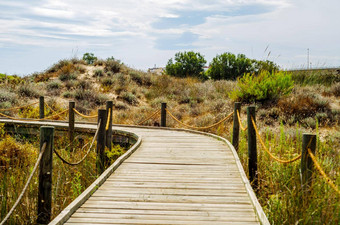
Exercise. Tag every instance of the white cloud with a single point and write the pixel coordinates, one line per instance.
(126, 28)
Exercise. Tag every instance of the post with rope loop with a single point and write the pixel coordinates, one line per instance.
(252, 149)
(163, 115)
(71, 106)
(308, 142)
(236, 125)
(41, 107)
(45, 176)
(109, 105)
(100, 162)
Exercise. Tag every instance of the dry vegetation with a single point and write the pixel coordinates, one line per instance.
(312, 106)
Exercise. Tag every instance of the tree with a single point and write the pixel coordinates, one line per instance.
(187, 64)
(229, 66)
(89, 58)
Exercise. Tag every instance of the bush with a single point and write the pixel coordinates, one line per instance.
(83, 84)
(6, 96)
(229, 66)
(11, 79)
(129, 98)
(53, 85)
(263, 87)
(68, 94)
(141, 78)
(89, 58)
(28, 90)
(112, 65)
(107, 81)
(98, 73)
(186, 64)
(68, 76)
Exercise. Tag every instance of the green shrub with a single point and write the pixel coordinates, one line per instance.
(228, 66)
(28, 90)
(6, 96)
(129, 98)
(83, 84)
(53, 85)
(89, 58)
(335, 90)
(107, 81)
(68, 76)
(11, 79)
(98, 73)
(187, 64)
(112, 65)
(263, 87)
(68, 94)
(141, 78)
(57, 66)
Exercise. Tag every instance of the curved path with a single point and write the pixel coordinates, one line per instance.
(174, 176)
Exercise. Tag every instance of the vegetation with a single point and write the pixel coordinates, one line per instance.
(89, 58)
(284, 111)
(264, 87)
(186, 64)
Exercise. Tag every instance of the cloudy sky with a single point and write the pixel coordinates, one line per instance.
(142, 33)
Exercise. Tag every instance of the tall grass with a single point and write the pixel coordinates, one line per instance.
(280, 192)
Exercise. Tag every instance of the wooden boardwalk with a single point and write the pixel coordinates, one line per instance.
(173, 177)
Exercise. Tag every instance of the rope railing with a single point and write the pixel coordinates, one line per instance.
(84, 157)
(239, 122)
(266, 149)
(322, 172)
(198, 128)
(50, 108)
(26, 185)
(31, 119)
(19, 107)
(83, 115)
(108, 120)
(149, 117)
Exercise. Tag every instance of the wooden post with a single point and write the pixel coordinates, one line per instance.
(41, 107)
(100, 162)
(236, 125)
(109, 105)
(71, 123)
(252, 150)
(163, 115)
(45, 176)
(308, 141)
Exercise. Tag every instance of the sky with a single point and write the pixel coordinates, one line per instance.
(38, 33)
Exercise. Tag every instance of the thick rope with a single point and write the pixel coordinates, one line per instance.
(26, 185)
(82, 115)
(322, 172)
(199, 128)
(50, 108)
(149, 117)
(266, 149)
(84, 157)
(20, 107)
(108, 120)
(30, 119)
(239, 122)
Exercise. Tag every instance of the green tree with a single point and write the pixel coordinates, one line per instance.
(89, 58)
(187, 64)
(229, 66)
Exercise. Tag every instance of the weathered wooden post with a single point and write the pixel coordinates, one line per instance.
(100, 162)
(308, 142)
(163, 115)
(71, 122)
(252, 149)
(236, 125)
(109, 105)
(45, 175)
(41, 107)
